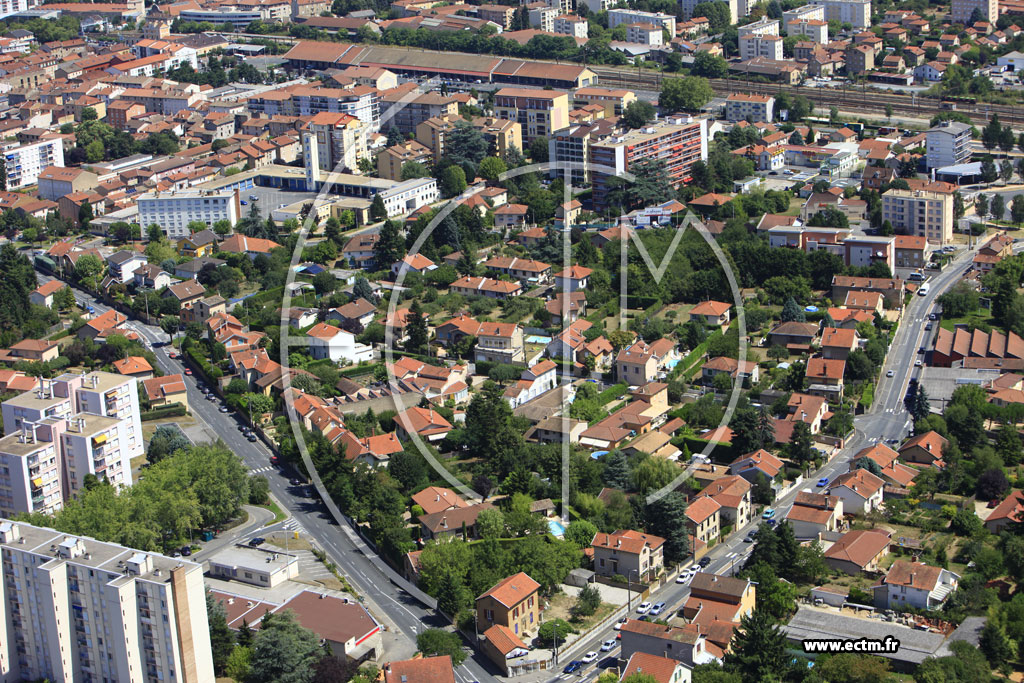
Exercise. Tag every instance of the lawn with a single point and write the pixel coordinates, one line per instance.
(560, 605)
(978, 316)
(279, 515)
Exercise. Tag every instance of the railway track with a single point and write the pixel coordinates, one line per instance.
(852, 98)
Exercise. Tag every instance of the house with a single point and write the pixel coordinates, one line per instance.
(426, 422)
(911, 251)
(891, 289)
(703, 519)
(813, 514)
(486, 287)
(573, 279)
(506, 650)
(870, 302)
(661, 669)
(198, 244)
(420, 670)
(825, 377)
(837, 344)
(636, 364)
(374, 450)
(572, 304)
(860, 550)
(251, 246)
(510, 216)
(438, 499)
(718, 598)
(190, 269)
(892, 471)
(746, 371)
(685, 645)
(162, 391)
(860, 491)
(760, 461)
(38, 350)
(807, 408)
(924, 449)
(527, 271)
(711, 313)
(534, 381)
(512, 603)
(499, 343)
(793, 335)
(732, 493)
(327, 341)
(134, 366)
(916, 585)
(412, 263)
(151, 276)
(122, 264)
(358, 312)
(187, 294)
(43, 294)
(1007, 513)
(102, 325)
(628, 553)
(452, 523)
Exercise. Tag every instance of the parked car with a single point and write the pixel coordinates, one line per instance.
(768, 513)
(749, 538)
(620, 622)
(643, 608)
(609, 645)
(258, 541)
(823, 482)
(704, 562)
(890, 374)
(657, 609)
(589, 657)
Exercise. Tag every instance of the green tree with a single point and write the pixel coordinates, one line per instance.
(222, 638)
(283, 651)
(791, 312)
(552, 630)
(587, 602)
(538, 150)
(966, 665)
(981, 204)
(690, 93)
(435, 642)
(997, 208)
(414, 169)
(581, 532)
(239, 664)
(988, 170)
(718, 16)
(709, 65)
(378, 211)
(465, 146)
(389, 249)
(638, 114)
(851, 668)
(1017, 209)
(491, 169)
(453, 181)
(416, 328)
(667, 518)
(652, 474)
(758, 649)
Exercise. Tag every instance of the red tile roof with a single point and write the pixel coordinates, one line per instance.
(512, 590)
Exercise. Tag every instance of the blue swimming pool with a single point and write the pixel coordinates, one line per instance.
(538, 339)
(556, 528)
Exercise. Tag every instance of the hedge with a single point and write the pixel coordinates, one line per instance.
(357, 370)
(174, 410)
(612, 392)
(59, 335)
(209, 372)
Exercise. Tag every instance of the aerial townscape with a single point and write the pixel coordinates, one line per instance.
(429, 341)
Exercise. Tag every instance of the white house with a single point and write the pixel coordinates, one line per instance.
(327, 341)
(915, 584)
(859, 490)
(573, 279)
(534, 381)
(124, 263)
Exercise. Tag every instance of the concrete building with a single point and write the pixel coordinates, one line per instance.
(340, 141)
(948, 144)
(628, 553)
(327, 341)
(174, 210)
(645, 34)
(740, 107)
(923, 213)
(78, 609)
(539, 112)
(56, 181)
(855, 12)
(815, 29)
(760, 39)
(916, 585)
(264, 568)
(24, 163)
(571, 25)
(805, 13)
(962, 10)
(632, 16)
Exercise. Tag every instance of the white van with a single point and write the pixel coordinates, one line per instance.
(924, 290)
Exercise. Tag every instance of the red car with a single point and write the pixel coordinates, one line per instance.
(172, 355)
(188, 371)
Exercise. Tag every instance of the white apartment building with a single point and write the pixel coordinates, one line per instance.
(687, 7)
(855, 12)
(409, 195)
(174, 210)
(76, 424)
(632, 16)
(961, 10)
(24, 163)
(596, 6)
(77, 609)
(816, 12)
(740, 107)
(543, 18)
(645, 34)
(327, 341)
(760, 39)
(9, 7)
(924, 213)
(238, 19)
(947, 144)
(340, 141)
(179, 54)
(571, 25)
(815, 29)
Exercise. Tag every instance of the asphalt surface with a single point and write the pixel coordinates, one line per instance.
(405, 617)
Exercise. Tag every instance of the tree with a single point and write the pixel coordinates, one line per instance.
(64, 299)
(389, 249)
(491, 169)
(416, 328)
(684, 94)
(239, 664)
(991, 132)
(801, 444)
(435, 642)
(758, 648)
(88, 268)
(709, 65)
(847, 667)
(966, 665)
(414, 169)
(638, 114)
(378, 211)
(166, 440)
(553, 630)
(718, 16)
(581, 532)
(324, 283)
(587, 602)
(992, 484)
(796, 138)
(981, 205)
(453, 181)
(1005, 170)
(85, 214)
(538, 150)
(994, 643)
(989, 174)
(667, 518)
(791, 312)
(997, 208)
(1017, 209)
(284, 651)
(222, 638)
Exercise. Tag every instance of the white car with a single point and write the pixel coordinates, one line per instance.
(643, 608)
(619, 623)
(589, 657)
(609, 645)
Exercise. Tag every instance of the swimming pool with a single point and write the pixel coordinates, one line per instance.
(538, 339)
(556, 528)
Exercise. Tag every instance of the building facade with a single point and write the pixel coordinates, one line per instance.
(947, 144)
(24, 163)
(174, 210)
(855, 12)
(923, 213)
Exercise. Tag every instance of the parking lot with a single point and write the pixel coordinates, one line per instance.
(270, 198)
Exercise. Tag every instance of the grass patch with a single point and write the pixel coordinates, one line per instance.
(867, 397)
(279, 514)
(561, 606)
(979, 316)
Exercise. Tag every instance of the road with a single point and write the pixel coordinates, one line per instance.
(405, 617)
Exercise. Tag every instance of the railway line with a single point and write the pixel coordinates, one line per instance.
(862, 98)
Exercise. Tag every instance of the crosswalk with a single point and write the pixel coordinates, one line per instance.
(260, 470)
(293, 525)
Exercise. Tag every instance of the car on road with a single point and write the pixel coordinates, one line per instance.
(294, 482)
(609, 645)
(823, 482)
(589, 657)
(932, 316)
(643, 608)
(768, 513)
(620, 622)
(927, 327)
(186, 551)
(918, 363)
(188, 371)
(258, 541)
(922, 350)
(274, 460)
(172, 355)
(572, 667)
(244, 203)
(657, 609)
(891, 373)
(772, 523)
(704, 562)
(749, 538)
(251, 437)
(210, 396)
(686, 574)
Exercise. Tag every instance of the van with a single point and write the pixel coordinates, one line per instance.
(916, 276)
(924, 290)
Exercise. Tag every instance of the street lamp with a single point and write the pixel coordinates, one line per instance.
(629, 593)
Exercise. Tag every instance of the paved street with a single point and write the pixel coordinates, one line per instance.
(405, 617)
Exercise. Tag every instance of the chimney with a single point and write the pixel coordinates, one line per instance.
(444, 522)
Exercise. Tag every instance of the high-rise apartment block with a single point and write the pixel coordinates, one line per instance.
(77, 609)
(948, 144)
(68, 428)
(539, 112)
(963, 10)
(24, 163)
(857, 13)
(760, 39)
(925, 213)
(340, 141)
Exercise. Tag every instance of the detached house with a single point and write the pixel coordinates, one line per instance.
(732, 493)
(628, 552)
(703, 519)
(859, 490)
(861, 550)
(636, 364)
(1007, 513)
(825, 377)
(452, 523)
(573, 279)
(744, 370)
(837, 343)
(760, 461)
(426, 422)
(711, 313)
(813, 514)
(925, 449)
(512, 603)
(915, 584)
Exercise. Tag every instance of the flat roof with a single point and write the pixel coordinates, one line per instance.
(13, 445)
(810, 623)
(253, 558)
